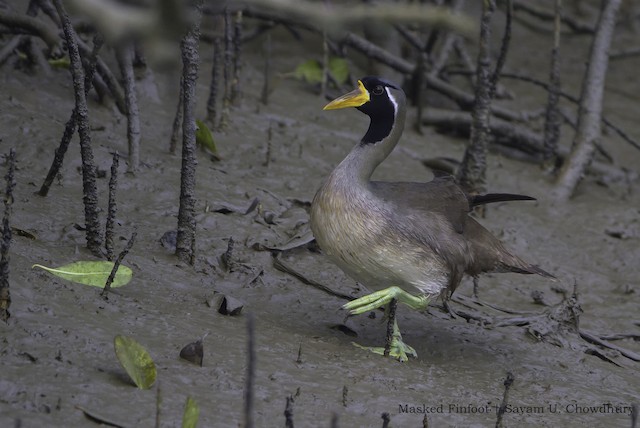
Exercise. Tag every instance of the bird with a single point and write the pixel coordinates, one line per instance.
(407, 241)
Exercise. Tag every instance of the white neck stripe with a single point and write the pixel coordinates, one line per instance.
(393, 101)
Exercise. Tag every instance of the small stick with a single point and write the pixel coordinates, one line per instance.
(267, 160)
(116, 264)
(418, 83)
(213, 88)
(283, 267)
(345, 395)
(237, 65)
(139, 60)
(89, 188)
(334, 421)
(325, 65)
(462, 98)
(109, 78)
(542, 13)
(31, 25)
(185, 242)
(112, 207)
(125, 59)
(393, 305)
(288, 412)
(177, 120)
(251, 373)
(472, 172)
(386, 420)
(5, 295)
(591, 103)
(504, 49)
(552, 114)
(227, 257)
(226, 70)
(35, 54)
(37, 57)
(71, 125)
(463, 54)
(505, 399)
(264, 96)
(7, 50)
(299, 359)
(158, 404)
(593, 338)
(48, 9)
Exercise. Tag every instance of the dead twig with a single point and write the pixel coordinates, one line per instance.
(472, 172)
(71, 125)
(112, 207)
(227, 69)
(236, 94)
(283, 267)
(5, 294)
(30, 25)
(125, 60)
(593, 338)
(90, 191)
(177, 119)
(213, 87)
(116, 264)
(552, 114)
(391, 314)
(107, 76)
(249, 385)
(540, 13)
(504, 49)
(590, 111)
(185, 243)
(505, 400)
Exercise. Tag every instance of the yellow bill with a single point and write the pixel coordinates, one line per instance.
(354, 98)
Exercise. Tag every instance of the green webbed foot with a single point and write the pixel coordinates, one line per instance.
(398, 349)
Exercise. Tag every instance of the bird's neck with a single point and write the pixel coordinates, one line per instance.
(365, 157)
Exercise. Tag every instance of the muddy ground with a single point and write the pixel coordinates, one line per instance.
(57, 350)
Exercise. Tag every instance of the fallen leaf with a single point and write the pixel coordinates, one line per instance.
(339, 69)
(204, 138)
(191, 414)
(94, 273)
(136, 361)
(310, 71)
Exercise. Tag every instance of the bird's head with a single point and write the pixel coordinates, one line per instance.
(379, 99)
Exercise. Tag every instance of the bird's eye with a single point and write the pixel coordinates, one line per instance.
(378, 90)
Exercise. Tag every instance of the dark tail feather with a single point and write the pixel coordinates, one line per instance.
(529, 269)
(497, 197)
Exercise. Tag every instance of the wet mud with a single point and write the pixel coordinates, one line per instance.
(56, 353)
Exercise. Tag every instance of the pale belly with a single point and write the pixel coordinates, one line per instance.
(364, 245)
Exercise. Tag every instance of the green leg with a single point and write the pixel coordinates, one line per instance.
(397, 349)
(384, 297)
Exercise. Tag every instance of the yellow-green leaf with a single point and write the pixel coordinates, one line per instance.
(136, 361)
(191, 414)
(93, 273)
(310, 71)
(60, 62)
(204, 137)
(339, 69)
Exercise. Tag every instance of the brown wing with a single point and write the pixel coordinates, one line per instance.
(434, 215)
(437, 215)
